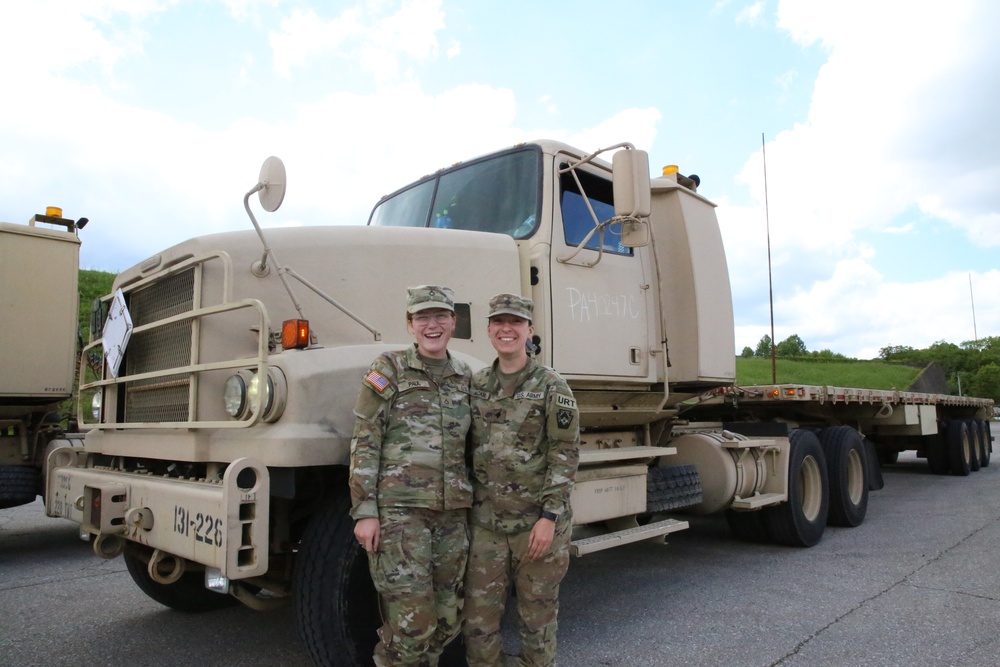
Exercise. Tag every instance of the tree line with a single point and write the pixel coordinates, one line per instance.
(972, 368)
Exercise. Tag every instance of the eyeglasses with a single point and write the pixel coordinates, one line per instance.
(424, 319)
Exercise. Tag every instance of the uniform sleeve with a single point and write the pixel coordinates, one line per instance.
(371, 412)
(563, 457)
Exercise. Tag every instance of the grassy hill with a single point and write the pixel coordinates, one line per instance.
(861, 374)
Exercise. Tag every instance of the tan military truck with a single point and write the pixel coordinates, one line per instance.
(39, 269)
(217, 451)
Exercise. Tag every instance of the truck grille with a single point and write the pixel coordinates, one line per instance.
(163, 398)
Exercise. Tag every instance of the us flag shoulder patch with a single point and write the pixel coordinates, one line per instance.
(377, 381)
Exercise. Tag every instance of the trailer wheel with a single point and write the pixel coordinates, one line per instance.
(959, 448)
(800, 522)
(938, 456)
(337, 606)
(986, 439)
(672, 488)
(846, 464)
(18, 485)
(747, 526)
(984, 443)
(975, 446)
(187, 594)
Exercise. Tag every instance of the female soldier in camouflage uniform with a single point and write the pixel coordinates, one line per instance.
(409, 487)
(525, 438)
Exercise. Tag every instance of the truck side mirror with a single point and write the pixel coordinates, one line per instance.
(635, 233)
(630, 174)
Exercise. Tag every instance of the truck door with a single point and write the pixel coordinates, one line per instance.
(600, 313)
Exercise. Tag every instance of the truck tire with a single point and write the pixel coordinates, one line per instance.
(959, 449)
(672, 488)
(938, 459)
(747, 526)
(987, 439)
(187, 594)
(847, 467)
(801, 520)
(975, 446)
(337, 606)
(18, 485)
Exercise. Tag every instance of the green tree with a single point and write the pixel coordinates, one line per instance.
(793, 346)
(763, 347)
(747, 352)
(985, 383)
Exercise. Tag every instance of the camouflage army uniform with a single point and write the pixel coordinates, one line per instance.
(524, 460)
(408, 469)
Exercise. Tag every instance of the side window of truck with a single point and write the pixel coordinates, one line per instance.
(577, 220)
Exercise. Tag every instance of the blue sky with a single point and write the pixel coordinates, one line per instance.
(152, 117)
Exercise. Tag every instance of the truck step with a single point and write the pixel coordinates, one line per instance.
(627, 536)
(623, 454)
(759, 500)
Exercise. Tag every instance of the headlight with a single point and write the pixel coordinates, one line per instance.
(242, 391)
(95, 406)
(255, 388)
(234, 396)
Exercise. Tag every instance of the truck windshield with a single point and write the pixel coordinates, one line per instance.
(499, 194)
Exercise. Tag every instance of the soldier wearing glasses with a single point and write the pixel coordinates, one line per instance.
(410, 489)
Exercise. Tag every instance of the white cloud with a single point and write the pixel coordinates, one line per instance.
(901, 120)
(377, 42)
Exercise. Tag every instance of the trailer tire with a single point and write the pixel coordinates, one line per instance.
(988, 439)
(337, 608)
(848, 470)
(975, 446)
(938, 456)
(672, 488)
(18, 485)
(959, 448)
(801, 520)
(984, 443)
(748, 526)
(188, 594)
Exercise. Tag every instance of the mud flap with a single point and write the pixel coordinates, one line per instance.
(875, 480)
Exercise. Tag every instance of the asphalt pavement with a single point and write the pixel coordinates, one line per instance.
(917, 584)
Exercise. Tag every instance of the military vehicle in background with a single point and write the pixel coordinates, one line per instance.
(39, 269)
(218, 437)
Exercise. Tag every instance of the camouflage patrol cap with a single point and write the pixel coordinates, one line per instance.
(511, 304)
(423, 297)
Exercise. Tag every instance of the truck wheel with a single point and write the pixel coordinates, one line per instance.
(801, 520)
(672, 488)
(747, 526)
(846, 461)
(187, 594)
(937, 451)
(337, 606)
(986, 438)
(975, 446)
(18, 485)
(959, 449)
